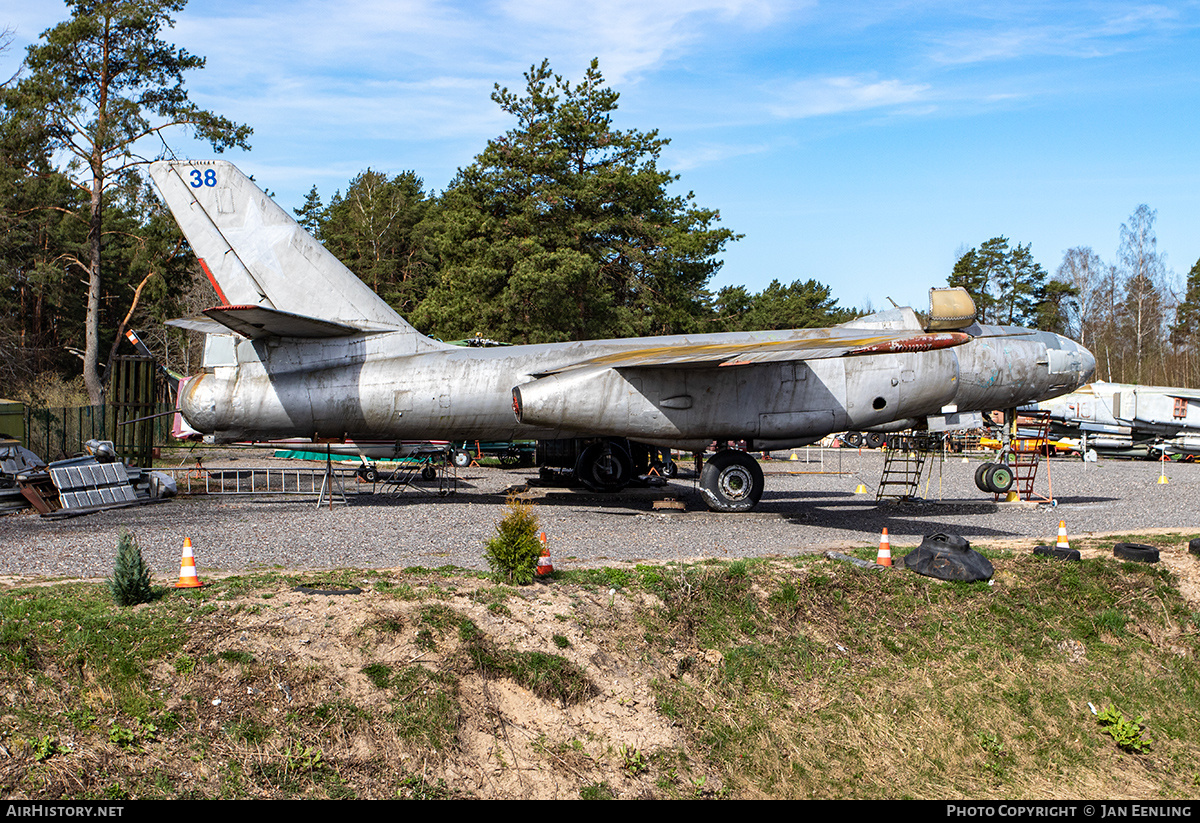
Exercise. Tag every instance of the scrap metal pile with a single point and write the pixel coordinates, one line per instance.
(77, 485)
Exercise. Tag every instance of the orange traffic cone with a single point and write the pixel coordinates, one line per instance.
(187, 568)
(544, 567)
(884, 558)
(1062, 536)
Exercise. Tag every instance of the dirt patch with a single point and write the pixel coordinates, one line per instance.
(387, 656)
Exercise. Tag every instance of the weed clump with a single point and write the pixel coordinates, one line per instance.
(1128, 734)
(130, 583)
(513, 551)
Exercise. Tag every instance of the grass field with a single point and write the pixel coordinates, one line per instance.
(797, 678)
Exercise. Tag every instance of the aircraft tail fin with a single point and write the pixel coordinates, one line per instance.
(257, 255)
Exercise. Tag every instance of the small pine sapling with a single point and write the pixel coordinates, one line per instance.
(514, 550)
(130, 583)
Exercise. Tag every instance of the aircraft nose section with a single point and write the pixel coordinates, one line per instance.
(1070, 364)
(1089, 365)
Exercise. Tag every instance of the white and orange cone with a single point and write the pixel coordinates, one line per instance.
(544, 567)
(884, 558)
(1062, 536)
(187, 568)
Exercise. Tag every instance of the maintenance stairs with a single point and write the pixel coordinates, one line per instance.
(1025, 452)
(904, 462)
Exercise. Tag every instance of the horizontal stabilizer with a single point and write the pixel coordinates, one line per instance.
(257, 321)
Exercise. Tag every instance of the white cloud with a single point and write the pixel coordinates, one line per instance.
(633, 36)
(1087, 36)
(709, 154)
(834, 95)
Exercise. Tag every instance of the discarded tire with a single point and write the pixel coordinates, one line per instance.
(948, 557)
(1056, 553)
(1136, 552)
(979, 473)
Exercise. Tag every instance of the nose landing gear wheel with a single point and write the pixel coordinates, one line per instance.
(731, 481)
(999, 479)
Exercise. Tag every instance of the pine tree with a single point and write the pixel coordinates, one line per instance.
(98, 84)
(1185, 331)
(311, 213)
(563, 228)
(130, 583)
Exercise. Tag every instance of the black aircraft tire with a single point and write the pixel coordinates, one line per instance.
(428, 473)
(369, 474)
(731, 481)
(604, 467)
(460, 458)
(1135, 552)
(980, 482)
(1057, 553)
(999, 478)
(874, 440)
(853, 439)
(1194, 546)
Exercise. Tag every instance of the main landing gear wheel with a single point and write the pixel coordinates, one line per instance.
(604, 467)
(731, 481)
(461, 458)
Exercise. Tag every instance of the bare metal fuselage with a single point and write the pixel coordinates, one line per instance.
(402, 386)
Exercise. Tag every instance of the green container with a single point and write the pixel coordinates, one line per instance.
(12, 420)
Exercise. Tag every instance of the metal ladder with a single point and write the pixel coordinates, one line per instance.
(904, 464)
(1025, 452)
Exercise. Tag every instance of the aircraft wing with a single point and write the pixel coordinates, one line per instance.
(818, 344)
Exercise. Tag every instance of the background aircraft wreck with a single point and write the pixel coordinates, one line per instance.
(1129, 420)
(320, 355)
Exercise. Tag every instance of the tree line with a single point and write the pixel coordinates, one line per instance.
(563, 228)
(1141, 324)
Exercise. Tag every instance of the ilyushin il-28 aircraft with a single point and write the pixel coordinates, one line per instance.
(317, 354)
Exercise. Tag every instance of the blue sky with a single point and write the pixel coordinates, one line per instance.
(863, 144)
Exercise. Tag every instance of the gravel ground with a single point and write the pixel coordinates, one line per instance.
(809, 506)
